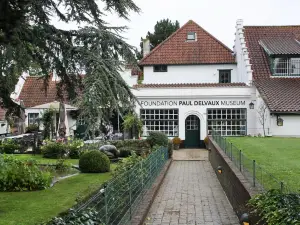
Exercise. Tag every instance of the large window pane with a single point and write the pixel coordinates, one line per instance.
(163, 120)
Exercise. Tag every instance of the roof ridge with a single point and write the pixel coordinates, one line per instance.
(158, 46)
(261, 26)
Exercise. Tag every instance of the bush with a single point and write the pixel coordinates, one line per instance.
(158, 138)
(125, 152)
(32, 128)
(94, 162)
(276, 208)
(22, 175)
(176, 141)
(126, 164)
(54, 150)
(9, 146)
(74, 148)
(206, 141)
(170, 148)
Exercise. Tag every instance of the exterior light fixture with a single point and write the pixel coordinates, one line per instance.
(220, 170)
(245, 219)
(251, 105)
(279, 121)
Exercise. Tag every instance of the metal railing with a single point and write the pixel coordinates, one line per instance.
(253, 172)
(117, 201)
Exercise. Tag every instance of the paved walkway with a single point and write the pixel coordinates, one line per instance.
(191, 194)
(190, 154)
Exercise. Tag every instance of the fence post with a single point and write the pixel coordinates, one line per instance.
(106, 206)
(129, 186)
(231, 151)
(240, 160)
(281, 186)
(253, 173)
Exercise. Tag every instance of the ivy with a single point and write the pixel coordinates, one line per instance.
(276, 208)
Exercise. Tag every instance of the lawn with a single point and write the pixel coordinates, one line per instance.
(42, 160)
(29, 208)
(278, 156)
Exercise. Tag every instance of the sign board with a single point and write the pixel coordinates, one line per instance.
(192, 103)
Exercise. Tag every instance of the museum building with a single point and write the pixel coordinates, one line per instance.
(193, 83)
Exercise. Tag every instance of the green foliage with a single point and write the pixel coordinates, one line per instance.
(74, 147)
(94, 162)
(54, 150)
(89, 216)
(22, 175)
(126, 164)
(158, 138)
(48, 120)
(133, 123)
(162, 30)
(124, 152)
(277, 208)
(9, 146)
(29, 39)
(32, 128)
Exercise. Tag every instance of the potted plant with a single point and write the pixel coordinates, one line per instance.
(176, 142)
(206, 142)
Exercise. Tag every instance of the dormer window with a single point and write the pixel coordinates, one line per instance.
(286, 66)
(160, 68)
(191, 36)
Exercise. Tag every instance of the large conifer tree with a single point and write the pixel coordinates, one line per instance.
(28, 37)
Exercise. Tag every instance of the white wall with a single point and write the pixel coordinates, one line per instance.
(71, 121)
(188, 74)
(192, 94)
(244, 70)
(128, 78)
(290, 128)
(3, 129)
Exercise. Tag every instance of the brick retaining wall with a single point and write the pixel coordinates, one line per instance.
(237, 188)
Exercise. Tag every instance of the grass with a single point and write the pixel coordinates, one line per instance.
(29, 208)
(42, 160)
(278, 156)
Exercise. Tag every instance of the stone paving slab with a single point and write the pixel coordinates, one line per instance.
(191, 194)
(190, 154)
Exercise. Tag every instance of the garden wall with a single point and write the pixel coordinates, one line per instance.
(235, 185)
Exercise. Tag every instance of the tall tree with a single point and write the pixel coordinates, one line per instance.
(28, 37)
(162, 30)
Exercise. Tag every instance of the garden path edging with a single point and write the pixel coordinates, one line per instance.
(144, 206)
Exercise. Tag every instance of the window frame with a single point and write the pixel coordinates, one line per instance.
(288, 62)
(226, 120)
(220, 75)
(164, 118)
(160, 68)
(191, 33)
(29, 118)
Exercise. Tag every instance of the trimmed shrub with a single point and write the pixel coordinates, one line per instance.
(32, 128)
(94, 162)
(9, 146)
(157, 138)
(54, 150)
(22, 175)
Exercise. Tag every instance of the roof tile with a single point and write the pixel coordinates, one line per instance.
(177, 50)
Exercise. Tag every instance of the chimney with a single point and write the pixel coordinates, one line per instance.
(146, 47)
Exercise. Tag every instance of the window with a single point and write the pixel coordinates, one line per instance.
(80, 121)
(160, 68)
(33, 118)
(286, 67)
(163, 120)
(228, 122)
(191, 36)
(224, 76)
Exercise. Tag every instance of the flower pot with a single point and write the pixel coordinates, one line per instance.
(176, 146)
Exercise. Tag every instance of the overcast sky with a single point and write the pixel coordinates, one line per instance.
(218, 17)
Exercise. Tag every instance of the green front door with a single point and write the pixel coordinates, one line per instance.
(192, 132)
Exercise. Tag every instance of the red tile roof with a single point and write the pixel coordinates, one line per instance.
(176, 50)
(258, 57)
(189, 85)
(33, 92)
(280, 94)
